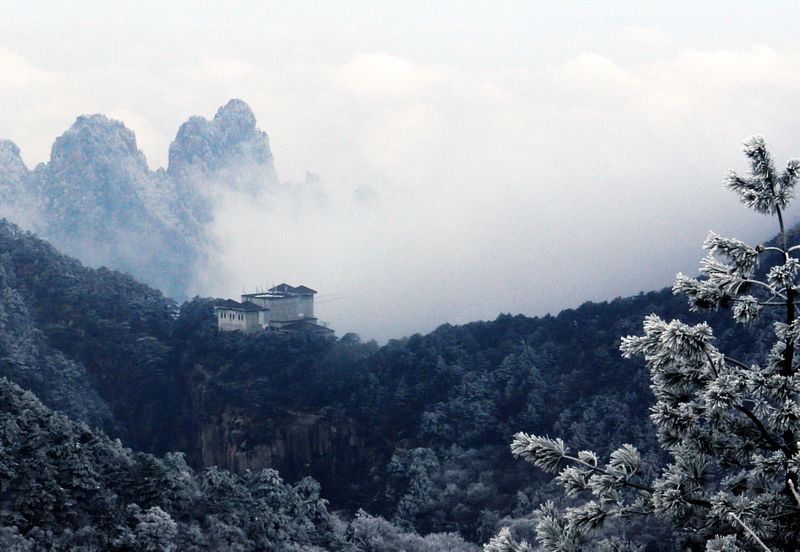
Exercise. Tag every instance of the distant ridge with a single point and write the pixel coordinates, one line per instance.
(96, 198)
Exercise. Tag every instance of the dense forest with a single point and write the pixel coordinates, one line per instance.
(67, 487)
(415, 431)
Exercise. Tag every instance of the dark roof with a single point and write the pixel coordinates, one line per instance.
(305, 290)
(230, 304)
(286, 288)
(306, 325)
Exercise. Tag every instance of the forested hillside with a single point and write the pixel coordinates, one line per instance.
(67, 487)
(416, 430)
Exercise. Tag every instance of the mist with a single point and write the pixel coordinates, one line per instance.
(395, 264)
(470, 164)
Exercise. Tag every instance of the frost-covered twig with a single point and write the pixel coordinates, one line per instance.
(794, 492)
(750, 532)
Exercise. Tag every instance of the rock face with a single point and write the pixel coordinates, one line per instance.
(102, 204)
(225, 154)
(231, 138)
(323, 443)
(18, 197)
(97, 199)
(12, 168)
(327, 446)
(95, 183)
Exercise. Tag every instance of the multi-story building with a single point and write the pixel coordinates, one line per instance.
(283, 308)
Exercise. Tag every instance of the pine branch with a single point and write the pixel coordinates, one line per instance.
(737, 363)
(774, 445)
(627, 483)
(767, 303)
(766, 285)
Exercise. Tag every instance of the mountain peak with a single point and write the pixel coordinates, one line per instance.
(236, 113)
(230, 143)
(96, 137)
(99, 123)
(13, 171)
(8, 149)
(10, 157)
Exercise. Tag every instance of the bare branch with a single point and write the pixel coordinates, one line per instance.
(750, 532)
(794, 492)
(737, 363)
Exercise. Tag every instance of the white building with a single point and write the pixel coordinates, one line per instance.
(283, 307)
(247, 317)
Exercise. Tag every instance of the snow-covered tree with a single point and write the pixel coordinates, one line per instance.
(730, 426)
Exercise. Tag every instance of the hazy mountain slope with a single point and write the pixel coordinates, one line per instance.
(87, 334)
(27, 358)
(225, 154)
(428, 418)
(97, 199)
(19, 194)
(100, 202)
(94, 343)
(416, 430)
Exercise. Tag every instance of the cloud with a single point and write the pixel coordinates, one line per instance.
(386, 76)
(521, 187)
(754, 67)
(221, 69)
(594, 80)
(590, 67)
(17, 71)
(144, 129)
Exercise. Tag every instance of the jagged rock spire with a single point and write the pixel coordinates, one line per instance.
(229, 142)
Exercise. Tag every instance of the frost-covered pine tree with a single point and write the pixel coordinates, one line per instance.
(731, 428)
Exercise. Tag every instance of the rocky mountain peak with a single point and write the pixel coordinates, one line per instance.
(96, 184)
(9, 151)
(236, 114)
(96, 139)
(12, 167)
(229, 143)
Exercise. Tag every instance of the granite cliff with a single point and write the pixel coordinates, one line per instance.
(97, 199)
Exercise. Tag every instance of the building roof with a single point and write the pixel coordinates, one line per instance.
(305, 290)
(306, 325)
(291, 290)
(282, 290)
(230, 304)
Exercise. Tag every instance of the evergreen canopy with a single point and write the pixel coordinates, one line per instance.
(730, 426)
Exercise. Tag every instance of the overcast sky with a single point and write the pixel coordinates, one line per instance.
(528, 155)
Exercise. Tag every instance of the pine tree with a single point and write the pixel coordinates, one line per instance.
(730, 426)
